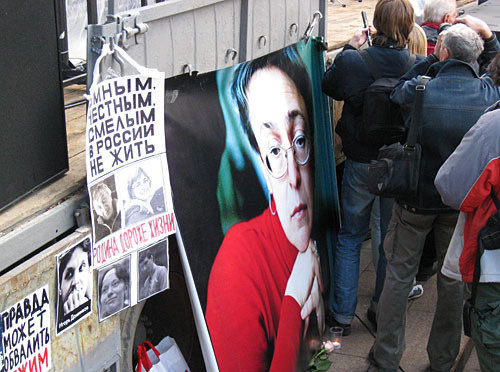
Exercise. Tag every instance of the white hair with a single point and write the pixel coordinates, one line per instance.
(463, 43)
(435, 10)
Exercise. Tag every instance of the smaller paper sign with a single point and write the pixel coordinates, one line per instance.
(25, 330)
(74, 283)
(134, 278)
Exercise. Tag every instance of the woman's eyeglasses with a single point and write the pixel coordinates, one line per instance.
(277, 157)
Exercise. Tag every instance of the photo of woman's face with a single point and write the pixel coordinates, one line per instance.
(278, 118)
(76, 275)
(112, 293)
(141, 186)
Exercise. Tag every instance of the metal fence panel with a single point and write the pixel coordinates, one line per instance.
(210, 34)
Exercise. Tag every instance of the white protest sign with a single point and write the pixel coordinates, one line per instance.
(127, 170)
(124, 123)
(26, 334)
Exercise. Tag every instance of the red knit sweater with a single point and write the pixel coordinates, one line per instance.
(431, 45)
(252, 326)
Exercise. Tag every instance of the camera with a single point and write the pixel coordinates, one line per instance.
(443, 27)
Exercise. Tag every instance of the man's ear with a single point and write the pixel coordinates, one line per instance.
(444, 55)
(446, 18)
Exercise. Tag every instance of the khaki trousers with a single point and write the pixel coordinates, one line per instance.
(403, 247)
(486, 326)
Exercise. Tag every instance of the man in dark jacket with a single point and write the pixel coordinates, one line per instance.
(454, 99)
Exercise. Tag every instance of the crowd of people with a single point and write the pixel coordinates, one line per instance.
(459, 144)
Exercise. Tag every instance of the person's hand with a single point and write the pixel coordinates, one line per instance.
(438, 49)
(314, 302)
(477, 25)
(360, 37)
(305, 269)
(75, 299)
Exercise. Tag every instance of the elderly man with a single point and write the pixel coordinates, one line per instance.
(465, 182)
(454, 99)
(435, 13)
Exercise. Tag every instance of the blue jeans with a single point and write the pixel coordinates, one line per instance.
(356, 203)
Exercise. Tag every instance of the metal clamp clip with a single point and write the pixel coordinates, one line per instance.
(131, 25)
(310, 27)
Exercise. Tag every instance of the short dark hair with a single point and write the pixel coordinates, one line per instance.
(121, 271)
(63, 261)
(288, 61)
(99, 188)
(132, 178)
(393, 19)
(494, 69)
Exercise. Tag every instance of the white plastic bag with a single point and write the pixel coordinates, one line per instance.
(170, 355)
(145, 361)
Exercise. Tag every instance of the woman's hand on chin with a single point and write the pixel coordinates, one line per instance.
(314, 302)
(305, 270)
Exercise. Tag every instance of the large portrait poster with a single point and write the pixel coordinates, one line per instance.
(250, 153)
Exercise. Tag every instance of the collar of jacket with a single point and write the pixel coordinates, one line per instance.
(452, 67)
(389, 43)
(434, 25)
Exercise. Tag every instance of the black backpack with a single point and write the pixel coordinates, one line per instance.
(382, 122)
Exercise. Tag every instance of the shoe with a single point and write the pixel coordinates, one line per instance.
(372, 318)
(416, 292)
(332, 322)
(374, 363)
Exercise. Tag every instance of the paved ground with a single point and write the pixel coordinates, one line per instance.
(472, 364)
(352, 356)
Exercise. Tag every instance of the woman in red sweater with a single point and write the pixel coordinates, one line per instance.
(266, 279)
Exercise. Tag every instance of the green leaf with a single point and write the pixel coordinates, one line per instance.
(323, 365)
(323, 357)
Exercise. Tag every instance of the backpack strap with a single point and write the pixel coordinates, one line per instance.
(416, 114)
(409, 63)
